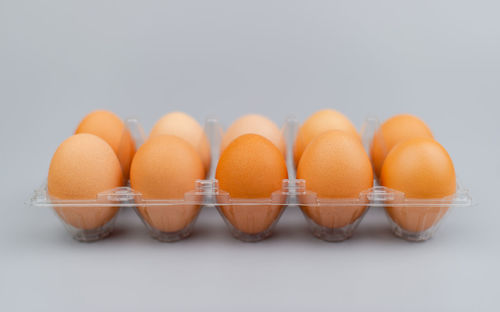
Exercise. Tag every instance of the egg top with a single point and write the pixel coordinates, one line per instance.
(185, 127)
(420, 168)
(111, 128)
(165, 166)
(396, 129)
(316, 124)
(335, 165)
(255, 124)
(251, 167)
(83, 166)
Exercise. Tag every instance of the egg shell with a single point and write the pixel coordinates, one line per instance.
(335, 165)
(111, 129)
(83, 166)
(318, 123)
(396, 129)
(420, 168)
(251, 167)
(166, 167)
(255, 124)
(185, 127)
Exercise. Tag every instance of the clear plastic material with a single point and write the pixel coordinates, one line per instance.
(251, 220)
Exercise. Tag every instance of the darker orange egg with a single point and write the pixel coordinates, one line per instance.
(422, 169)
(251, 167)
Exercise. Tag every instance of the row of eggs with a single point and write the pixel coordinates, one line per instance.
(327, 151)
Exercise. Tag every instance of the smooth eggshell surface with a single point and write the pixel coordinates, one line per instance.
(187, 128)
(420, 168)
(166, 167)
(251, 167)
(83, 166)
(111, 129)
(335, 165)
(255, 124)
(318, 123)
(396, 129)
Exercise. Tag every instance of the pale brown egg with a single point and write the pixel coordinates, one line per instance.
(111, 129)
(251, 167)
(83, 166)
(335, 165)
(396, 129)
(255, 124)
(318, 123)
(187, 128)
(422, 169)
(166, 167)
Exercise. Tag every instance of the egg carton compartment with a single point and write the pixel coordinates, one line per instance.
(336, 219)
(330, 219)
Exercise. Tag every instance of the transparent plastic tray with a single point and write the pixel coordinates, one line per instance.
(330, 219)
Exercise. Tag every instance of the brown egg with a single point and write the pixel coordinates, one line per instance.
(185, 127)
(396, 129)
(319, 123)
(420, 168)
(251, 167)
(335, 165)
(166, 167)
(111, 129)
(255, 124)
(83, 166)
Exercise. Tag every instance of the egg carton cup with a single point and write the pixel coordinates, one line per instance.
(418, 220)
(82, 226)
(165, 235)
(330, 219)
(90, 235)
(336, 219)
(254, 219)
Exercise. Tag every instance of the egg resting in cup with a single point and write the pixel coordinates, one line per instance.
(335, 168)
(111, 129)
(256, 124)
(317, 124)
(422, 170)
(83, 166)
(182, 125)
(394, 130)
(250, 170)
(165, 168)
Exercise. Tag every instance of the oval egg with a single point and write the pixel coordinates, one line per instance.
(187, 128)
(251, 167)
(255, 124)
(166, 167)
(396, 129)
(422, 169)
(318, 123)
(83, 166)
(111, 129)
(335, 165)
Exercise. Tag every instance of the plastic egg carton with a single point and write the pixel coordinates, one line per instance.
(329, 219)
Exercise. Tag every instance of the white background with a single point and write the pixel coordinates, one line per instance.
(437, 59)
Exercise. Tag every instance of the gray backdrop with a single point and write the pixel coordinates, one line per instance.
(61, 59)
